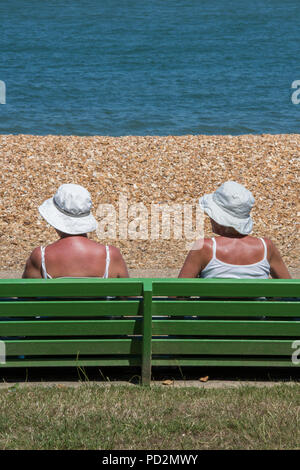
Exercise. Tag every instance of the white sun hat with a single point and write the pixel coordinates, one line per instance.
(230, 206)
(69, 210)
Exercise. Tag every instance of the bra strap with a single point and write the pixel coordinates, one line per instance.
(44, 272)
(214, 247)
(265, 247)
(107, 262)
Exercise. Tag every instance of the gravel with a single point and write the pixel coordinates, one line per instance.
(148, 170)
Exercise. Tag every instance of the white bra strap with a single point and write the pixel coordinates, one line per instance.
(44, 272)
(107, 262)
(265, 247)
(214, 247)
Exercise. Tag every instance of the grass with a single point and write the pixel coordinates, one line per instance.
(128, 417)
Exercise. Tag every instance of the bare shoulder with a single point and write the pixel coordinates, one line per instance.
(271, 247)
(114, 252)
(200, 246)
(35, 257)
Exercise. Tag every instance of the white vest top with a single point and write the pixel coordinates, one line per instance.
(219, 269)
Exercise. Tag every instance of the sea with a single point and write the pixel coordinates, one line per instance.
(151, 67)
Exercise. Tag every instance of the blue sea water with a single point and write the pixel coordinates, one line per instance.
(152, 67)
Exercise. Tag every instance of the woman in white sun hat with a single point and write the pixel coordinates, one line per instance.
(234, 253)
(73, 254)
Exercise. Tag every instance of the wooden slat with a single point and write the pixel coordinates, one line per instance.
(70, 288)
(223, 361)
(227, 287)
(227, 328)
(215, 308)
(76, 347)
(242, 347)
(70, 328)
(58, 362)
(78, 308)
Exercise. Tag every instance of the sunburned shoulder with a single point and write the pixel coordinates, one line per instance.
(114, 252)
(35, 256)
(202, 244)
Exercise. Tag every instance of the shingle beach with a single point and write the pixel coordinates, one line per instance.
(149, 170)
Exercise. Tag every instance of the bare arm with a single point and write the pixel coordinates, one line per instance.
(118, 266)
(192, 265)
(196, 259)
(33, 266)
(278, 268)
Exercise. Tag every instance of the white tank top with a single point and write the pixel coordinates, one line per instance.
(219, 269)
(47, 276)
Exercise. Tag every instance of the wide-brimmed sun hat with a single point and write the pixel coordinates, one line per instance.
(230, 206)
(69, 210)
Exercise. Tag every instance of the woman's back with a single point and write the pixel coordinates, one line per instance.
(75, 257)
(237, 258)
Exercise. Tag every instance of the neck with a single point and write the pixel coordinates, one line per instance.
(232, 235)
(67, 235)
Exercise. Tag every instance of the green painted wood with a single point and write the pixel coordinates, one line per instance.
(70, 328)
(215, 308)
(70, 287)
(147, 334)
(267, 347)
(223, 361)
(272, 352)
(78, 347)
(227, 287)
(226, 328)
(58, 362)
(78, 308)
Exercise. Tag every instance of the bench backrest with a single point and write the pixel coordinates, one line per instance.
(72, 322)
(233, 323)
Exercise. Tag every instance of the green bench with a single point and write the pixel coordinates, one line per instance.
(149, 322)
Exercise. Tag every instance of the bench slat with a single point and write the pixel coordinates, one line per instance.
(58, 362)
(78, 347)
(226, 328)
(242, 347)
(215, 308)
(79, 308)
(226, 287)
(70, 287)
(224, 361)
(70, 328)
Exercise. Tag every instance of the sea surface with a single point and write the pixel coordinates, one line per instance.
(152, 67)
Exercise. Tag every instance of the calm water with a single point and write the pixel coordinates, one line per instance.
(158, 67)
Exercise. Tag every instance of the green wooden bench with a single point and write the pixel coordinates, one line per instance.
(226, 327)
(70, 322)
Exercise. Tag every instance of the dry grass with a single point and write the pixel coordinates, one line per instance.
(120, 417)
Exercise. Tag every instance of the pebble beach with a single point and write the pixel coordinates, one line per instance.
(148, 170)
